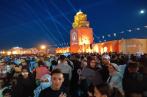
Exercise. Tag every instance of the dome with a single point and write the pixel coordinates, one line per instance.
(79, 12)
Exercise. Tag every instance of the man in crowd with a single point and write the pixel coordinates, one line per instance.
(56, 89)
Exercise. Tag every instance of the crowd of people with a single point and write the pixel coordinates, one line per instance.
(75, 75)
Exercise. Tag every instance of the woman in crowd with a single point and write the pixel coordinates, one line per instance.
(91, 75)
(115, 78)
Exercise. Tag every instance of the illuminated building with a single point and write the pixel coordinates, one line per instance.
(81, 36)
(81, 40)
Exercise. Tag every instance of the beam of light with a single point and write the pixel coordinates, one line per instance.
(38, 21)
(44, 28)
(61, 35)
(52, 19)
(61, 12)
(62, 26)
(57, 22)
(68, 1)
(49, 32)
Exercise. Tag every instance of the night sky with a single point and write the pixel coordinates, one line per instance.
(29, 23)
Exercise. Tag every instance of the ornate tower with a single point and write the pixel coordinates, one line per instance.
(81, 36)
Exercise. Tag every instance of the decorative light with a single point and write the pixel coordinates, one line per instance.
(103, 37)
(129, 30)
(138, 29)
(109, 35)
(122, 32)
(114, 34)
(145, 26)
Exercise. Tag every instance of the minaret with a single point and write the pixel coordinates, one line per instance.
(81, 35)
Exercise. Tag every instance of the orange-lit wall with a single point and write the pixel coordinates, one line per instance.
(62, 50)
(128, 46)
(111, 46)
(84, 37)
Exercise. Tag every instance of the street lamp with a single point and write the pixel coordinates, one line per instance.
(43, 47)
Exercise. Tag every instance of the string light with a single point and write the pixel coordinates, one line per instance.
(109, 35)
(103, 37)
(138, 29)
(129, 30)
(114, 34)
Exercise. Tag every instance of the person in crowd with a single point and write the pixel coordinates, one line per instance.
(91, 73)
(90, 76)
(56, 89)
(144, 71)
(115, 78)
(114, 59)
(2, 86)
(132, 79)
(104, 90)
(66, 69)
(7, 93)
(47, 63)
(25, 85)
(45, 83)
(40, 71)
(53, 64)
(3, 72)
(105, 63)
(74, 85)
(16, 69)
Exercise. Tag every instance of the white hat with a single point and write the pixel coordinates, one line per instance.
(115, 66)
(107, 57)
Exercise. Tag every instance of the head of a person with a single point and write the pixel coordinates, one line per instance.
(25, 73)
(83, 63)
(6, 93)
(92, 63)
(24, 63)
(45, 81)
(113, 68)
(40, 63)
(102, 90)
(1, 83)
(106, 59)
(57, 78)
(62, 58)
(133, 67)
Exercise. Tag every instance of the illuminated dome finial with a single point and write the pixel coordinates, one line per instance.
(80, 20)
